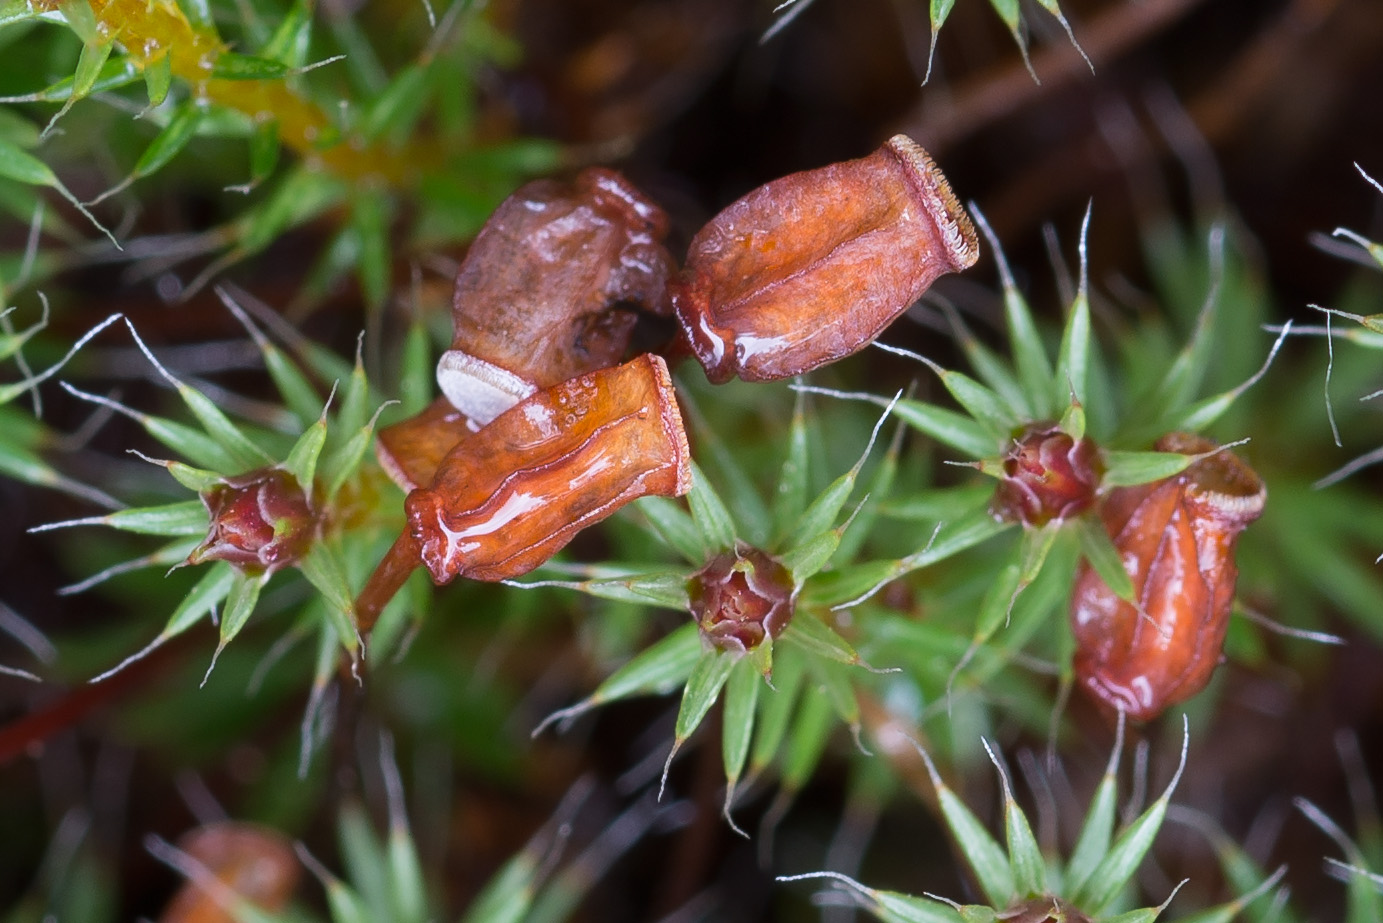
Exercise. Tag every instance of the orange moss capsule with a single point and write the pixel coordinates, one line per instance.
(509, 497)
(1176, 538)
(412, 450)
(549, 290)
(246, 861)
(812, 267)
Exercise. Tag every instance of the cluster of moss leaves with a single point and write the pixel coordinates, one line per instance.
(373, 137)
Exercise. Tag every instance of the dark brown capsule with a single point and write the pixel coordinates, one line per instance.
(1176, 538)
(549, 290)
(812, 267)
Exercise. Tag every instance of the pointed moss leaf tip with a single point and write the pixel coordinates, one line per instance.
(22, 167)
(820, 515)
(668, 590)
(217, 425)
(983, 854)
(1123, 857)
(301, 462)
(1205, 412)
(980, 402)
(1372, 182)
(1029, 869)
(741, 701)
(204, 597)
(198, 479)
(657, 669)
(710, 514)
(1051, 6)
(1344, 871)
(295, 388)
(9, 391)
(185, 518)
(17, 673)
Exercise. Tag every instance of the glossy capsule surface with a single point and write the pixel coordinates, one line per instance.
(412, 450)
(507, 498)
(812, 267)
(1177, 539)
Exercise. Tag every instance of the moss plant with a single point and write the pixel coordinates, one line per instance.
(204, 204)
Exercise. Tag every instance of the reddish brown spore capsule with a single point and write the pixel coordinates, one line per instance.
(511, 496)
(549, 288)
(412, 450)
(254, 863)
(741, 597)
(1177, 539)
(812, 267)
(260, 521)
(1047, 476)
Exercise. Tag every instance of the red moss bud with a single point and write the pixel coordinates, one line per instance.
(260, 521)
(741, 597)
(254, 863)
(548, 288)
(812, 267)
(1176, 538)
(1047, 476)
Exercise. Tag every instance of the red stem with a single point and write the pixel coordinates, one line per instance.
(388, 579)
(30, 732)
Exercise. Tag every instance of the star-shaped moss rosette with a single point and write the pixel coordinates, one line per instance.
(1019, 880)
(1024, 423)
(1323, 529)
(266, 500)
(786, 672)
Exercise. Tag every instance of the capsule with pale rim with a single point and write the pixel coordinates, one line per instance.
(511, 496)
(812, 267)
(507, 498)
(1176, 538)
(550, 289)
